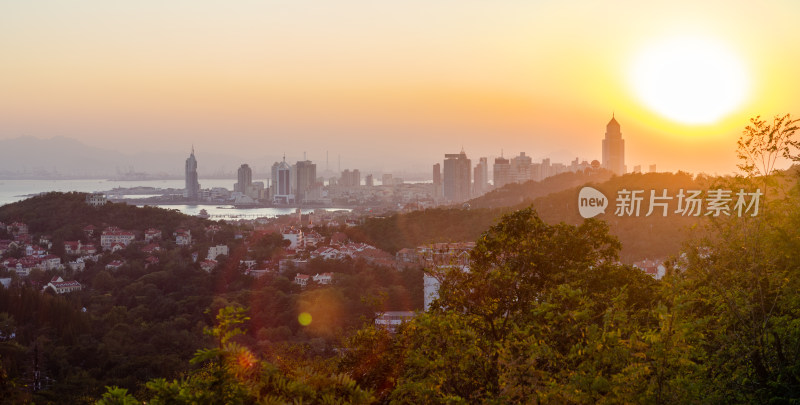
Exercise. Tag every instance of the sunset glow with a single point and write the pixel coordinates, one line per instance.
(690, 80)
(357, 78)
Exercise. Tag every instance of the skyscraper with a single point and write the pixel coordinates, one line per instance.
(350, 178)
(457, 176)
(481, 177)
(502, 172)
(281, 182)
(306, 180)
(521, 168)
(245, 178)
(437, 181)
(192, 191)
(614, 148)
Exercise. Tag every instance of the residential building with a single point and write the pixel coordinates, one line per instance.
(115, 265)
(59, 286)
(294, 236)
(215, 251)
(306, 181)
(502, 172)
(480, 177)
(152, 234)
(96, 199)
(457, 177)
(301, 279)
(183, 237)
(324, 278)
(208, 265)
(350, 178)
(522, 168)
(244, 179)
(113, 235)
(437, 181)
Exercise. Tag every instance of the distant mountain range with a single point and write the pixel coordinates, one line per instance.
(29, 157)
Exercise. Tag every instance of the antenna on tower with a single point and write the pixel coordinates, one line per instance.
(304, 155)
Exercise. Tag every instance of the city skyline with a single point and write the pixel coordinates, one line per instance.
(357, 79)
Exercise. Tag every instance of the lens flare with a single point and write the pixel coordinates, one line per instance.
(304, 318)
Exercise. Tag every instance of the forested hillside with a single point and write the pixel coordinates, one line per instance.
(642, 236)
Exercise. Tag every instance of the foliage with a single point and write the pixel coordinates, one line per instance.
(762, 144)
(234, 375)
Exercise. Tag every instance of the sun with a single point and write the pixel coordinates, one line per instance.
(691, 80)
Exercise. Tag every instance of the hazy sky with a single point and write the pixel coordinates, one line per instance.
(386, 85)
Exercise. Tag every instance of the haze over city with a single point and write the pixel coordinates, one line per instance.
(395, 86)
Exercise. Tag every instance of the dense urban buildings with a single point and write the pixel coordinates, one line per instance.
(457, 177)
(453, 181)
(614, 148)
(192, 191)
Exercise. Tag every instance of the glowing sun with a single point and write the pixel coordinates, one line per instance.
(689, 79)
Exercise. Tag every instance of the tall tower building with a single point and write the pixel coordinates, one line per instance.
(521, 168)
(437, 181)
(457, 175)
(281, 182)
(306, 180)
(502, 172)
(480, 177)
(614, 148)
(244, 177)
(192, 191)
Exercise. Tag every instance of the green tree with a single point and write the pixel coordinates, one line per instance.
(543, 314)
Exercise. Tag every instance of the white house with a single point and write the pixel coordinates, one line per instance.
(113, 235)
(61, 287)
(183, 237)
(293, 235)
(324, 278)
(215, 251)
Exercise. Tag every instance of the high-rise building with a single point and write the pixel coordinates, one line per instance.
(480, 177)
(652, 168)
(437, 181)
(369, 180)
(614, 148)
(306, 180)
(192, 191)
(244, 177)
(457, 176)
(282, 182)
(521, 168)
(350, 178)
(387, 180)
(502, 172)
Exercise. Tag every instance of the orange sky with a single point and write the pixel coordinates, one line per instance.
(386, 85)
